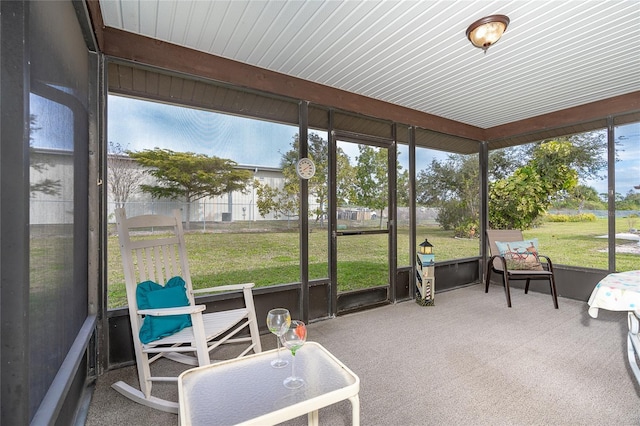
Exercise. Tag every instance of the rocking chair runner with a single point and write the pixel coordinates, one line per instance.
(157, 259)
(499, 264)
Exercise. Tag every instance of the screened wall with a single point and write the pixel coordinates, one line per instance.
(52, 169)
(47, 77)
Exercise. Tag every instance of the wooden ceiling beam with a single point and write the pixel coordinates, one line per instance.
(148, 51)
(586, 113)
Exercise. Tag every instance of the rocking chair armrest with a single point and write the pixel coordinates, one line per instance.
(173, 311)
(229, 287)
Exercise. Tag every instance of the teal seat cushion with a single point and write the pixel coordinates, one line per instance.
(151, 295)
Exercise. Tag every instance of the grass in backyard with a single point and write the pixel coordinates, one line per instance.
(354, 275)
(268, 258)
(577, 244)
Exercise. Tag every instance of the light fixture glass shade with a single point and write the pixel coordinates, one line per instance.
(487, 31)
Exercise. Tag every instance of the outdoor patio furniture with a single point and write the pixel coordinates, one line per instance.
(165, 321)
(520, 261)
(249, 391)
(621, 292)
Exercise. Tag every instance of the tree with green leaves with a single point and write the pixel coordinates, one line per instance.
(281, 202)
(372, 177)
(285, 201)
(523, 180)
(190, 177)
(402, 188)
(518, 200)
(580, 198)
(318, 187)
(630, 201)
(345, 179)
(452, 185)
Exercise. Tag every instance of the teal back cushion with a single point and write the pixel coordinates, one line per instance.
(521, 255)
(152, 295)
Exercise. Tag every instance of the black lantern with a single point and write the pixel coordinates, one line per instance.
(425, 248)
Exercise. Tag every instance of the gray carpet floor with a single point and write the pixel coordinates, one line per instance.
(468, 360)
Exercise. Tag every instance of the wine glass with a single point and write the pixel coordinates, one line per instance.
(293, 338)
(278, 321)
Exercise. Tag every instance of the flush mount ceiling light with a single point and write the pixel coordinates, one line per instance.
(487, 31)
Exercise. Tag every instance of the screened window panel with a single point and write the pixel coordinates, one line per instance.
(58, 189)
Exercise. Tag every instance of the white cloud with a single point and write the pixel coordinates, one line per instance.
(138, 125)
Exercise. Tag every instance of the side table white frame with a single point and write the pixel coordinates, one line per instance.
(248, 391)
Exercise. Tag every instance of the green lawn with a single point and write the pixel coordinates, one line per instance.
(268, 258)
(576, 244)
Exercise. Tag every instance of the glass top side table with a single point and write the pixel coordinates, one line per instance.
(249, 391)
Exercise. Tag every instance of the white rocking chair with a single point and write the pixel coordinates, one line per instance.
(158, 258)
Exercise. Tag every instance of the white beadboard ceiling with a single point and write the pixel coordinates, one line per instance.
(555, 54)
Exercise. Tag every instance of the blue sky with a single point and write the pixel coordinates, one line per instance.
(628, 168)
(628, 164)
(138, 125)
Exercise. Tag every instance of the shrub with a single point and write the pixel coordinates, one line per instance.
(581, 217)
(467, 229)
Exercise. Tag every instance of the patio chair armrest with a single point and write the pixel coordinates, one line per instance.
(161, 312)
(547, 261)
(502, 260)
(229, 287)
